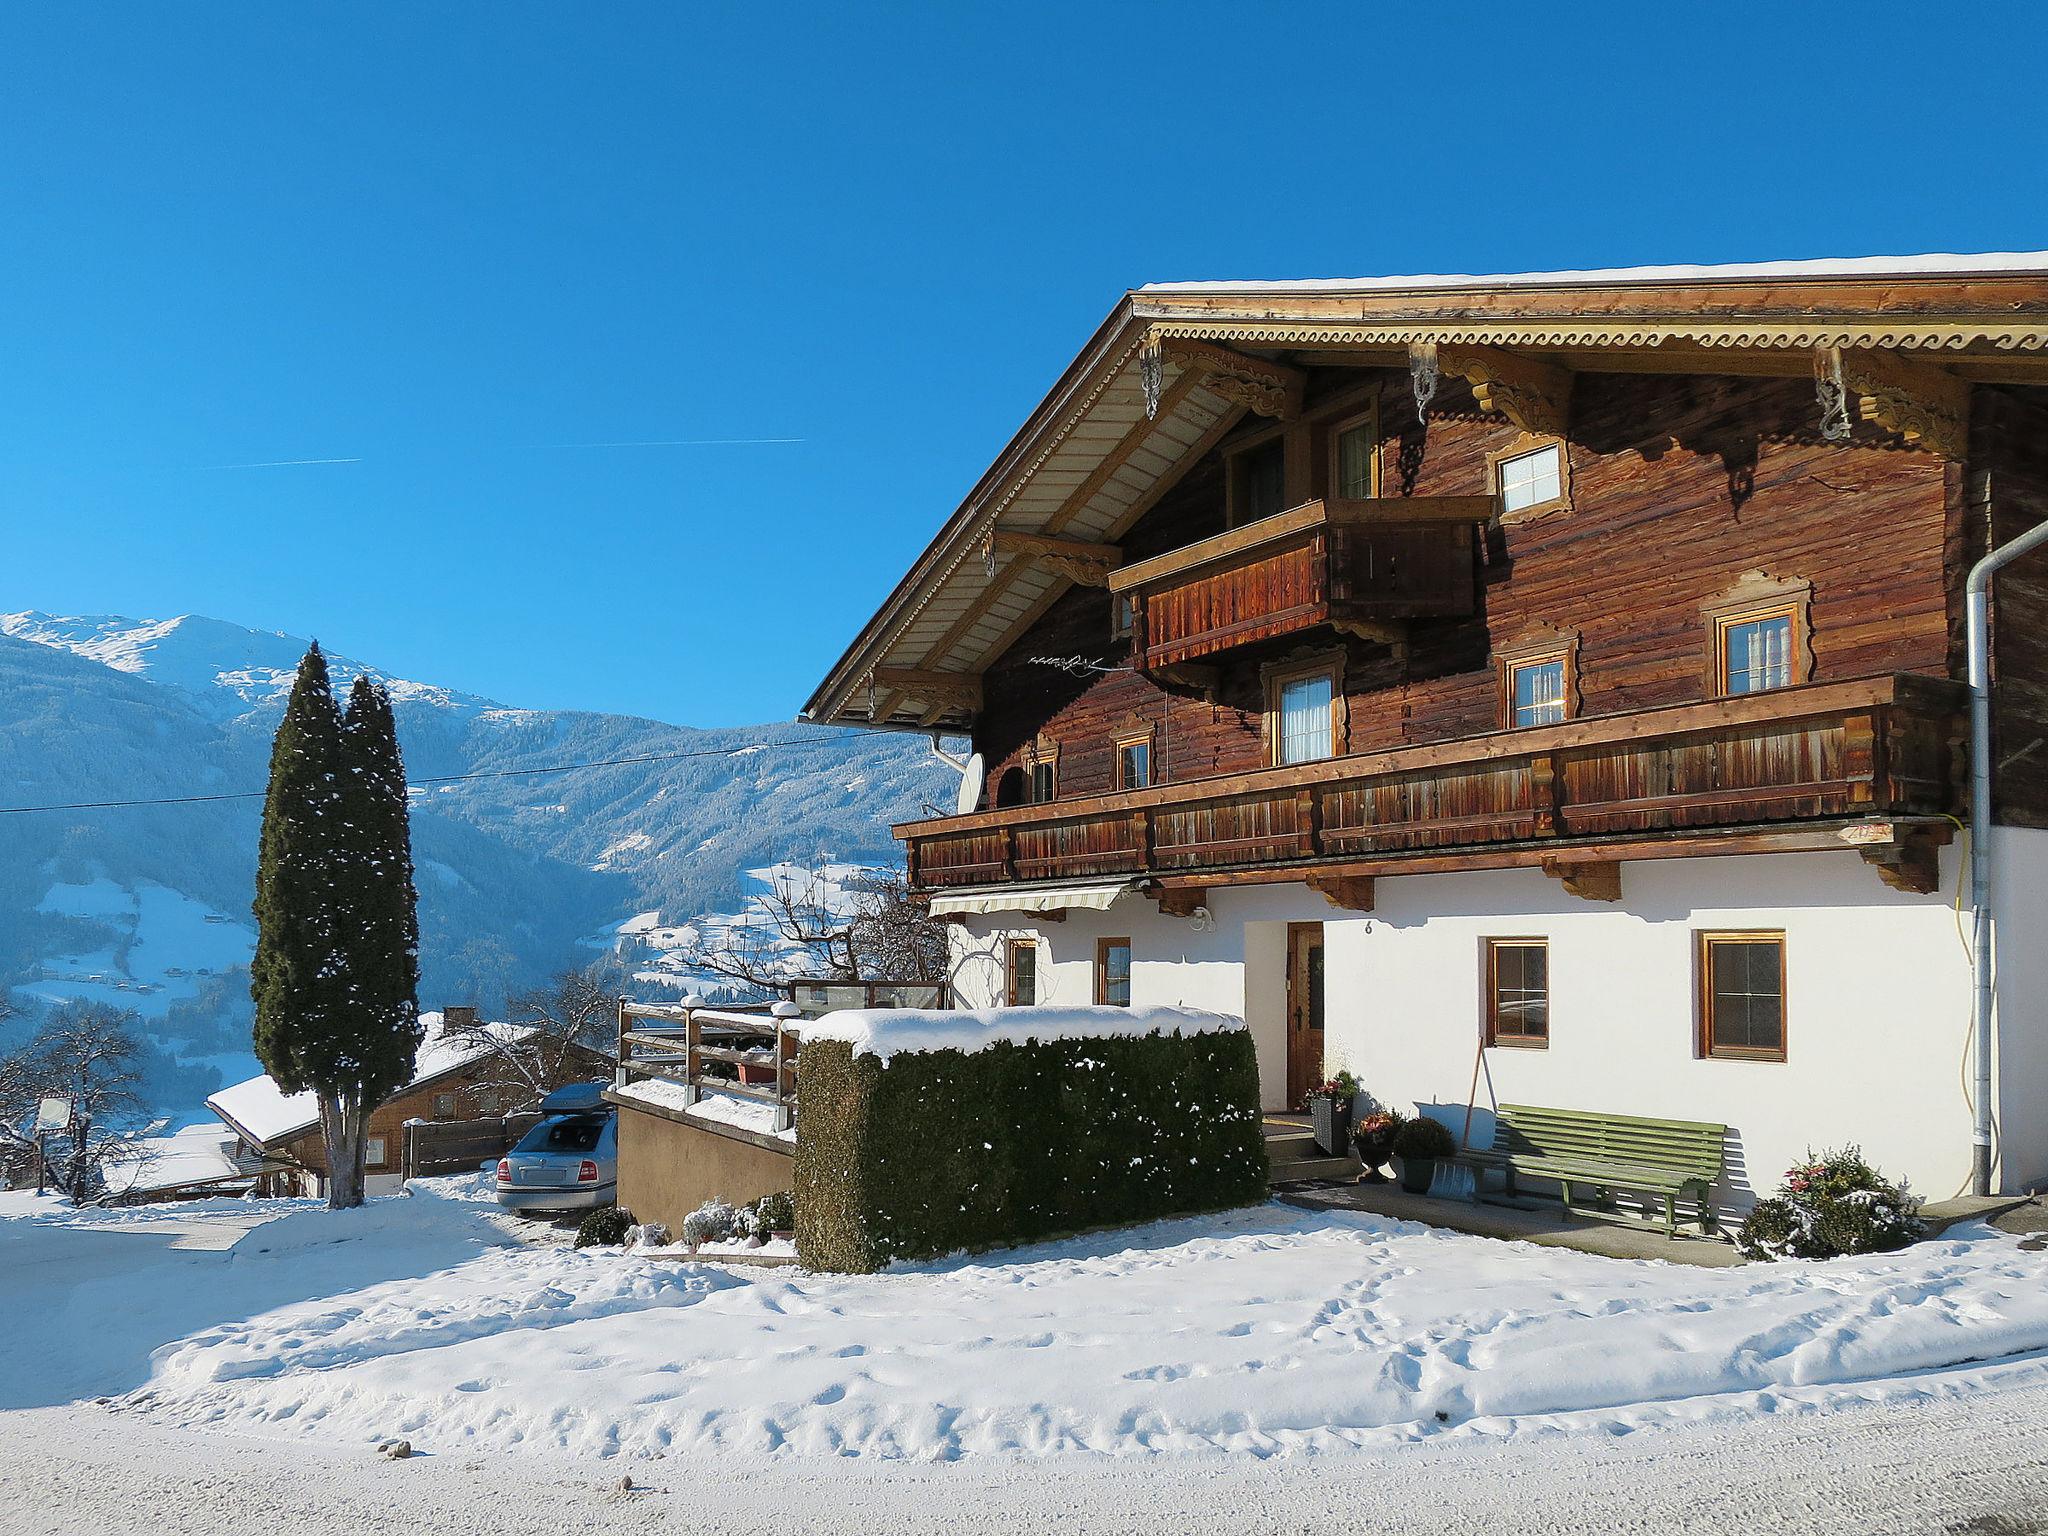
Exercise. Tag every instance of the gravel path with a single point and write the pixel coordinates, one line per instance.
(1969, 1455)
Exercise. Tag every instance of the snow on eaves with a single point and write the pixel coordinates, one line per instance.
(1855, 266)
(883, 1032)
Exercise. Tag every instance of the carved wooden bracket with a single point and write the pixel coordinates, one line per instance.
(1050, 915)
(1352, 892)
(1536, 396)
(960, 690)
(1180, 900)
(1928, 407)
(1910, 861)
(1086, 564)
(1590, 881)
(1191, 675)
(1269, 389)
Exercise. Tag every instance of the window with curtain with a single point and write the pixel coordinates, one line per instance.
(1536, 692)
(1133, 764)
(1355, 443)
(1307, 730)
(1113, 972)
(1518, 988)
(1756, 653)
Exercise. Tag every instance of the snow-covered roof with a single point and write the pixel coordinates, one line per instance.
(1745, 271)
(198, 1154)
(883, 1032)
(265, 1113)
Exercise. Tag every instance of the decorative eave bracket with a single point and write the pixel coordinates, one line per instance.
(1927, 406)
(1353, 893)
(1536, 396)
(1265, 388)
(1593, 880)
(1085, 564)
(940, 690)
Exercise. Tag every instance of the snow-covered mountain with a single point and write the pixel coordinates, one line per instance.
(148, 907)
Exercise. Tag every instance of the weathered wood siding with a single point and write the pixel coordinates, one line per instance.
(1680, 485)
(2009, 460)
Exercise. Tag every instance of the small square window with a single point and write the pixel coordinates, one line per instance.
(1021, 968)
(1532, 479)
(1518, 992)
(444, 1106)
(1536, 692)
(1134, 764)
(1353, 460)
(1756, 652)
(373, 1151)
(1742, 995)
(1113, 972)
(1306, 719)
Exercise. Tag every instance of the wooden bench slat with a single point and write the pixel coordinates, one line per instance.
(1571, 1146)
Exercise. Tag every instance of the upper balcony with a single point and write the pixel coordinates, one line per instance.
(1357, 565)
(1863, 764)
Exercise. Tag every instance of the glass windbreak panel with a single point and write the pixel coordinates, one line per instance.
(1116, 975)
(1354, 461)
(1134, 765)
(1306, 735)
(1539, 692)
(1757, 653)
(1521, 991)
(1746, 978)
(1530, 479)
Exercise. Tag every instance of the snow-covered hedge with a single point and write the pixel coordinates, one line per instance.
(1017, 1128)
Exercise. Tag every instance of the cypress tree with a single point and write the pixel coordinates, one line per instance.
(382, 937)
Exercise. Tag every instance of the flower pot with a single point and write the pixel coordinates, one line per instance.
(1375, 1152)
(1332, 1124)
(1416, 1172)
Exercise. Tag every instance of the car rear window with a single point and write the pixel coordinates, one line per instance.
(579, 1134)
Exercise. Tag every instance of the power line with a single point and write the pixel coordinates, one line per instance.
(456, 778)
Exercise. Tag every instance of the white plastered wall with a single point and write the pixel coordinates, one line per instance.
(1877, 987)
(2020, 901)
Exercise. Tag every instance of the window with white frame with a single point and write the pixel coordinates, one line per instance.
(1532, 479)
(373, 1151)
(1304, 718)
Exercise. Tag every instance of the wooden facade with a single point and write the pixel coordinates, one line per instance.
(1698, 484)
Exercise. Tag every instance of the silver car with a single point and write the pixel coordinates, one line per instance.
(567, 1162)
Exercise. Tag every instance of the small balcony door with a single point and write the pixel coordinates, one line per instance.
(1304, 1011)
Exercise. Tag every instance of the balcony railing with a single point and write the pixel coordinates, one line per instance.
(1874, 747)
(1358, 565)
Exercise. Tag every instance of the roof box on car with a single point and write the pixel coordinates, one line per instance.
(574, 1098)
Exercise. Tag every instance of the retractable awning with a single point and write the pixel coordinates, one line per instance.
(1093, 896)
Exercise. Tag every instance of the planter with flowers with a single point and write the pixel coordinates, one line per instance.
(1373, 1135)
(1329, 1106)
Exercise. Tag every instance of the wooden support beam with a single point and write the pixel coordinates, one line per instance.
(1927, 406)
(1536, 396)
(1267, 388)
(1180, 900)
(1049, 915)
(1086, 564)
(1590, 881)
(1911, 863)
(961, 690)
(1351, 892)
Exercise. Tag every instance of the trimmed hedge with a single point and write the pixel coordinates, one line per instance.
(942, 1151)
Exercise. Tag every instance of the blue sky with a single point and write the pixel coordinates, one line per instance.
(826, 257)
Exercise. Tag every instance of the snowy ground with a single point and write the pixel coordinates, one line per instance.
(1237, 1368)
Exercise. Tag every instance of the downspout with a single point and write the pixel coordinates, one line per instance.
(1978, 618)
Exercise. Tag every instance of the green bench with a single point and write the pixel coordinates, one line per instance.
(1599, 1153)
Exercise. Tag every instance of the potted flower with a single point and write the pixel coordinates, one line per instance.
(1373, 1134)
(1329, 1105)
(1421, 1144)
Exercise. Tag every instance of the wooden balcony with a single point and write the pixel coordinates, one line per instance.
(1780, 770)
(1356, 565)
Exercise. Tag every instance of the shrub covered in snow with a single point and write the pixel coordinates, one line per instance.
(712, 1222)
(604, 1227)
(1830, 1205)
(775, 1213)
(932, 1151)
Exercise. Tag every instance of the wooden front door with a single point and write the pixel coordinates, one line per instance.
(1304, 1010)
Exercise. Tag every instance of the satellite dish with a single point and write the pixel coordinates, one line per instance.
(972, 777)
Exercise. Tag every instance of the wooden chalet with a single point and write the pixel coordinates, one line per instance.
(1549, 682)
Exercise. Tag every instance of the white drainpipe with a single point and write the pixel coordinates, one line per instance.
(1978, 612)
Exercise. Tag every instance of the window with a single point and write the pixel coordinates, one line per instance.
(444, 1106)
(1755, 651)
(1351, 458)
(1258, 482)
(1307, 731)
(487, 1101)
(1532, 479)
(1041, 783)
(1517, 992)
(1123, 616)
(1134, 763)
(1020, 973)
(1742, 995)
(373, 1151)
(1536, 691)
(1113, 972)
